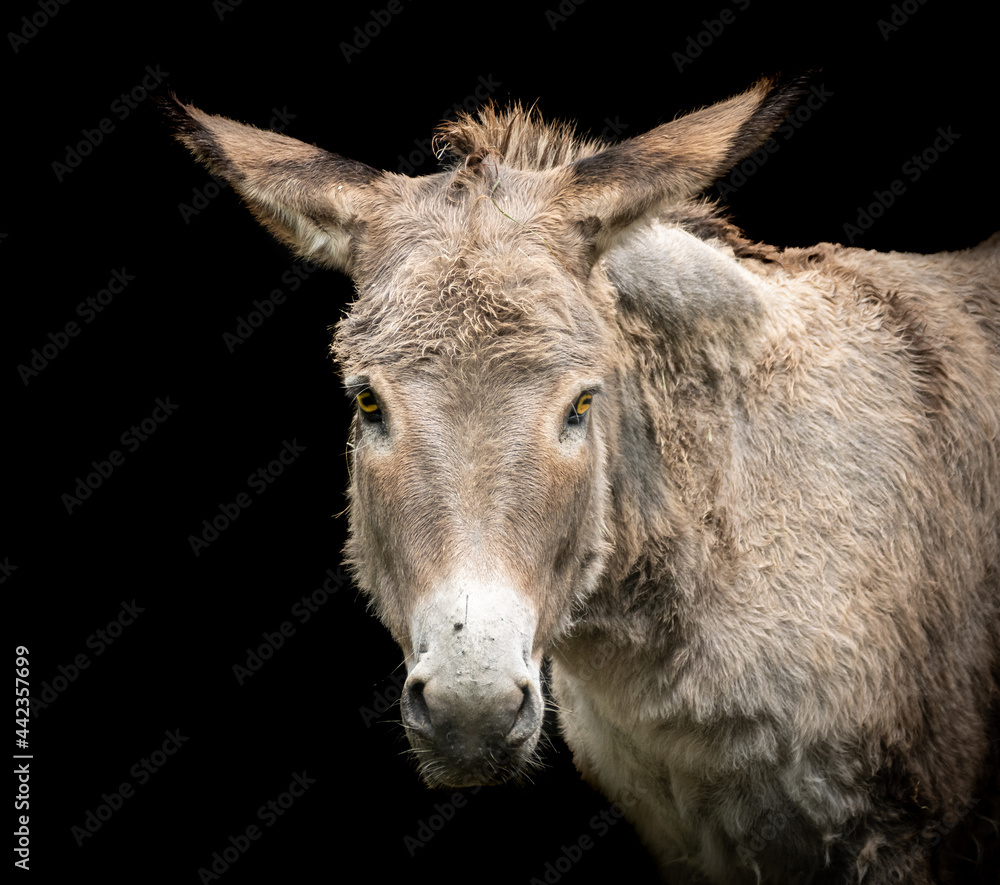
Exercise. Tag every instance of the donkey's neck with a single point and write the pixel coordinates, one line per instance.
(696, 326)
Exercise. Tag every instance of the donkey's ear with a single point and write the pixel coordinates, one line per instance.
(675, 161)
(314, 201)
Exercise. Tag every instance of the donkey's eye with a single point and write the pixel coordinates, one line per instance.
(578, 411)
(368, 406)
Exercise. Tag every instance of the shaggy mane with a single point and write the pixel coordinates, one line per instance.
(518, 137)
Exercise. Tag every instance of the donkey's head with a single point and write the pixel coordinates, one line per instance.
(484, 354)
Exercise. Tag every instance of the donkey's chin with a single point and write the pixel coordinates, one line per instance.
(454, 768)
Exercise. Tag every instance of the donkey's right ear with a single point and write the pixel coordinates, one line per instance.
(314, 201)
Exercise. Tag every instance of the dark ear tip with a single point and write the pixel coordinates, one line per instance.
(175, 113)
(187, 125)
(165, 99)
(781, 95)
(786, 90)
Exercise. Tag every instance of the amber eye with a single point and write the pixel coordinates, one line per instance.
(368, 406)
(579, 409)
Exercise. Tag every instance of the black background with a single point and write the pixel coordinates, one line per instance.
(194, 276)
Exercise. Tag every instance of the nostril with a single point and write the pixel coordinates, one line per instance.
(526, 720)
(416, 714)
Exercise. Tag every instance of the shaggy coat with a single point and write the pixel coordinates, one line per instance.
(746, 500)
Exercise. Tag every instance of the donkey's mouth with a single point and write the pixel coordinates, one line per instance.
(486, 741)
(452, 762)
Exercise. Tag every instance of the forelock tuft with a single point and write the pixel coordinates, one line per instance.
(517, 137)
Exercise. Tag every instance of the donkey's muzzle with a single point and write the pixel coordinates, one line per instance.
(472, 739)
(472, 702)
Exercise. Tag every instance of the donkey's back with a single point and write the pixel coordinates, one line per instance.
(968, 279)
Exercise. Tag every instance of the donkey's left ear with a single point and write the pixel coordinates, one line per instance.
(675, 161)
(314, 201)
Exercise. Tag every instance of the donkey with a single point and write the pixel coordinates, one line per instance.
(745, 500)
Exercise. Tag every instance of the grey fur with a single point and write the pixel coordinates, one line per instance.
(765, 564)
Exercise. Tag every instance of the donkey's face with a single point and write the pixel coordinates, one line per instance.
(482, 356)
(477, 496)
